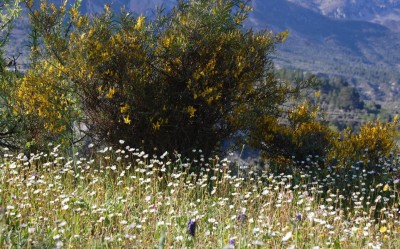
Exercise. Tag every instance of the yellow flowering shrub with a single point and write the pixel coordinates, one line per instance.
(374, 141)
(297, 138)
(304, 135)
(189, 79)
(44, 93)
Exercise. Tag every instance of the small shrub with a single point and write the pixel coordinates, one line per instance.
(374, 141)
(301, 136)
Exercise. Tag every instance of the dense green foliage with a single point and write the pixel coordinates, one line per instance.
(10, 122)
(9, 11)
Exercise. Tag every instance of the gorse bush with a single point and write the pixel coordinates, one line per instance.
(374, 141)
(189, 79)
(300, 135)
(305, 135)
(311, 135)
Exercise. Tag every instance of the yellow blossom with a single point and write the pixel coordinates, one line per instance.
(124, 108)
(110, 93)
(74, 13)
(139, 22)
(168, 40)
(386, 188)
(156, 126)
(191, 111)
(127, 120)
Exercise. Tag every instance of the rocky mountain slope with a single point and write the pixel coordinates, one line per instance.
(364, 52)
(385, 12)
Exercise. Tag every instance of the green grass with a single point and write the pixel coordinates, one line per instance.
(125, 198)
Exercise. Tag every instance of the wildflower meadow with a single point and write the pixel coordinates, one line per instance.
(122, 131)
(125, 198)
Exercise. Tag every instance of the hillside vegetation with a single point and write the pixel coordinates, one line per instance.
(125, 131)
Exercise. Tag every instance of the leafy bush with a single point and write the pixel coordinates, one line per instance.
(10, 122)
(304, 135)
(311, 135)
(301, 135)
(189, 79)
(374, 141)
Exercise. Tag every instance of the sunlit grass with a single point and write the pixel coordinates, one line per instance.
(125, 198)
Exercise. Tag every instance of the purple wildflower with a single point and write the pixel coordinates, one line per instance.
(191, 227)
(231, 244)
(298, 216)
(242, 218)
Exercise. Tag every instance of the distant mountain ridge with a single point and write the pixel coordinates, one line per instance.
(364, 52)
(385, 12)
